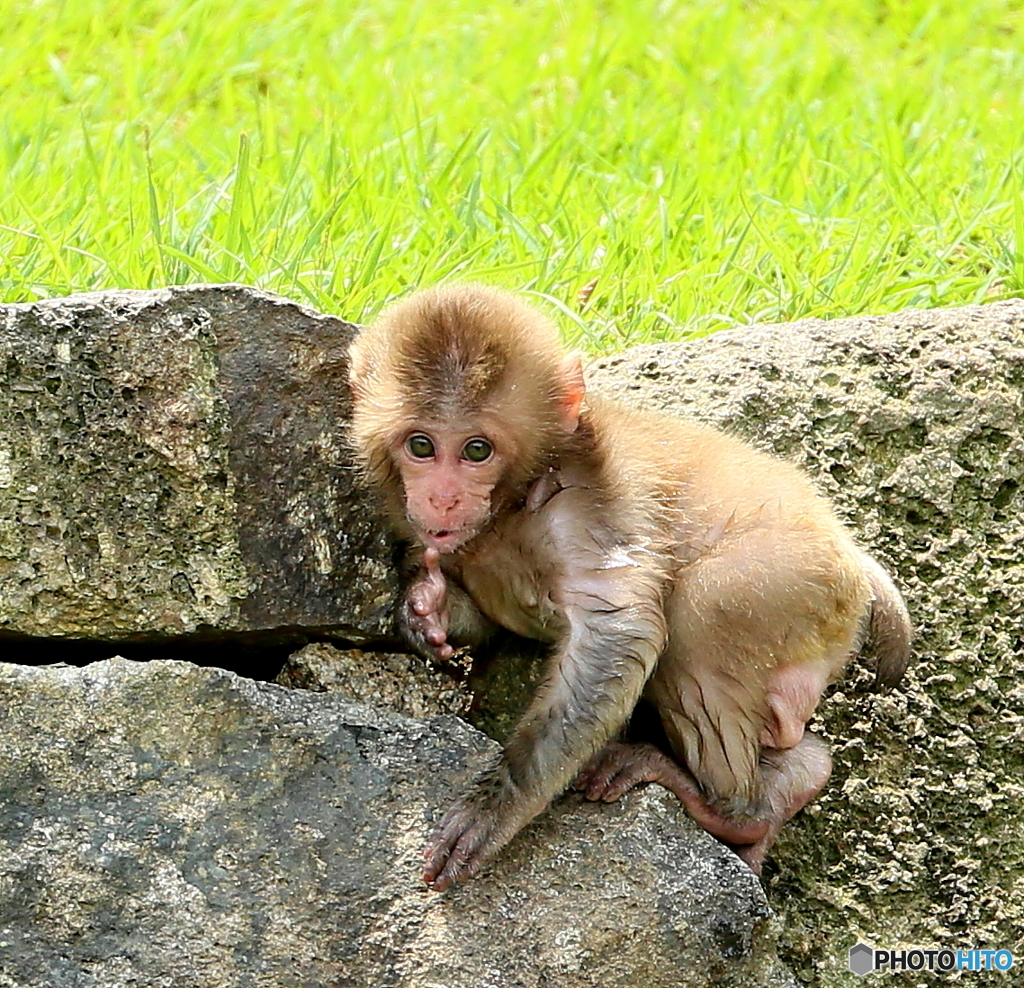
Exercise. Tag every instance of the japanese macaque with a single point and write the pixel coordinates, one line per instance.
(662, 559)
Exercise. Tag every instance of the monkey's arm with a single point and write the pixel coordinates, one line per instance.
(436, 616)
(614, 633)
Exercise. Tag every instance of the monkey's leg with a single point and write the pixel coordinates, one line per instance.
(753, 764)
(790, 778)
(758, 627)
(619, 767)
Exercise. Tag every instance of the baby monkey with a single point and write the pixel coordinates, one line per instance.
(662, 559)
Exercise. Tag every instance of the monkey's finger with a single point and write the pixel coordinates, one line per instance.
(457, 837)
(442, 650)
(614, 787)
(434, 594)
(597, 766)
(597, 785)
(441, 842)
(435, 857)
(426, 598)
(596, 776)
(432, 564)
(438, 590)
(421, 599)
(580, 783)
(435, 634)
(464, 860)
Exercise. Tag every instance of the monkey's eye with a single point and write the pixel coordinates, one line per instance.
(420, 446)
(476, 450)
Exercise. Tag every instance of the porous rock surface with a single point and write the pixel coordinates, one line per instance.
(913, 424)
(173, 463)
(403, 683)
(171, 826)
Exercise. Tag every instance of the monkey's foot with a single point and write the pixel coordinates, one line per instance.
(619, 767)
(791, 778)
(754, 854)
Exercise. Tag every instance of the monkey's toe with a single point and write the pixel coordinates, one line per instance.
(617, 768)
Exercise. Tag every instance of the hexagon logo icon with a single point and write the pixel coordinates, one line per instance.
(862, 959)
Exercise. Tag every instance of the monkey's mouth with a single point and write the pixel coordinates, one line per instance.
(445, 539)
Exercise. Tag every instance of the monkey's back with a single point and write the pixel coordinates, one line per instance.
(741, 519)
(700, 471)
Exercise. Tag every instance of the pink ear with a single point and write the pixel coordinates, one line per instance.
(572, 375)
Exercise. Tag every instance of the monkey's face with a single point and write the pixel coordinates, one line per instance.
(448, 475)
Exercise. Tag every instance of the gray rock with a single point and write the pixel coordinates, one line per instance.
(403, 683)
(171, 826)
(172, 462)
(913, 424)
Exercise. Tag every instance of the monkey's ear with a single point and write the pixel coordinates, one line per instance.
(572, 377)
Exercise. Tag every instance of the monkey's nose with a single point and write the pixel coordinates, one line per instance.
(444, 502)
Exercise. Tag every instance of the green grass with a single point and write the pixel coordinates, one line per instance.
(710, 163)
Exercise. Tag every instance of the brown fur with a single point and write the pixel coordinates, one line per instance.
(455, 352)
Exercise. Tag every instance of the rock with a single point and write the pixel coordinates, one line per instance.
(403, 683)
(912, 423)
(167, 825)
(172, 463)
(491, 695)
(172, 468)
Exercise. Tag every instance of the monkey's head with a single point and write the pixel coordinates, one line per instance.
(462, 396)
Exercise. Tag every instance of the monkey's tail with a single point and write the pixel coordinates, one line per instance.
(889, 625)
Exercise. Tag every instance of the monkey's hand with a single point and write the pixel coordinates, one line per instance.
(474, 830)
(424, 618)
